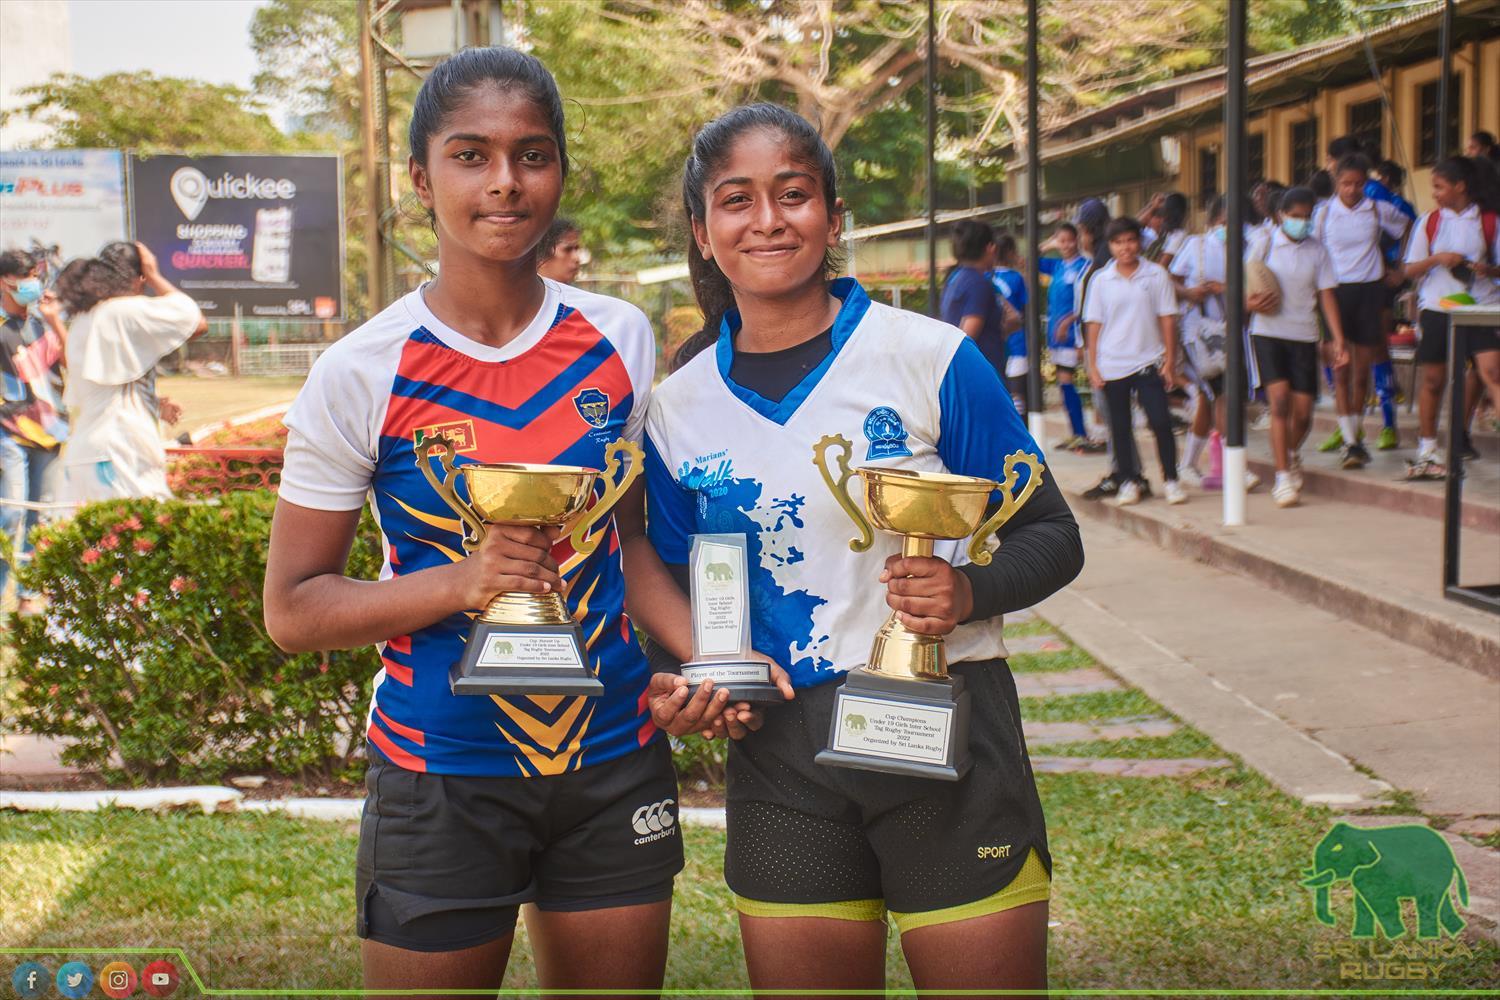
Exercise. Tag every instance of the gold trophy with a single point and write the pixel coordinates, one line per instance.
(903, 712)
(524, 643)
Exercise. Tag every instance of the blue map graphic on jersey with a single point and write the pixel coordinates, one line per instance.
(781, 622)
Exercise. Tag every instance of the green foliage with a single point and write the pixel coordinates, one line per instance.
(698, 759)
(153, 654)
(153, 114)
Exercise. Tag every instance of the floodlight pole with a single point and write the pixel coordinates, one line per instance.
(1036, 418)
(932, 280)
(1234, 271)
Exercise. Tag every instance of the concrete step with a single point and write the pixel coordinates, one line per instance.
(1377, 567)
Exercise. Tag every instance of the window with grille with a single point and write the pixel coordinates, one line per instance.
(1255, 157)
(1208, 172)
(1304, 150)
(1427, 134)
(1367, 124)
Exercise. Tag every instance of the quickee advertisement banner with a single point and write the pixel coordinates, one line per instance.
(73, 199)
(265, 232)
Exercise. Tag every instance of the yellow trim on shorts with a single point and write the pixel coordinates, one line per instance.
(1031, 885)
(848, 909)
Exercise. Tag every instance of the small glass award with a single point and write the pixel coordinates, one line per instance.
(720, 593)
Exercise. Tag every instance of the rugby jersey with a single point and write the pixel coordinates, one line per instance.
(577, 378)
(1062, 296)
(907, 391)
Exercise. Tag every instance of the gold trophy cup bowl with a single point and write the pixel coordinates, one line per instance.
(525, 643)
(902, 712)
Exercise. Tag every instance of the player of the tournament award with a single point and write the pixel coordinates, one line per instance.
(720, 593)
(524, 643)
(902, 712)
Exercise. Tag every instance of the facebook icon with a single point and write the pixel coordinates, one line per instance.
(30, 980)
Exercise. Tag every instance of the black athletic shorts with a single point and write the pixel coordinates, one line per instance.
(1360, 304)
(806, 839)
(1292, 361)
(445, 861)
(1433, 347)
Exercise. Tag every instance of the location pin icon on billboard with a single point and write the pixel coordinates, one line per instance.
(190, 191)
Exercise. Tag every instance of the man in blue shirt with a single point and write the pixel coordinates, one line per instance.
(1065, 274)
(1010, 285)
(969, 301)
(1383, 185)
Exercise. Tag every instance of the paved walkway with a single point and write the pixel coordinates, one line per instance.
(1299, 694)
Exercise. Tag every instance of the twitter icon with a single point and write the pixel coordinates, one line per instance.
(75, 980)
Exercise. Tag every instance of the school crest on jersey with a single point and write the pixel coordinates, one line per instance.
(886, 434)
(593, 406)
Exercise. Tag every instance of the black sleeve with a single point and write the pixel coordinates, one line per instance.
(657, 657)
(1041, 552)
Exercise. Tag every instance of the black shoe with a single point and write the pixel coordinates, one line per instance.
(1355, 456)
(1104, 489)
(1467, 450)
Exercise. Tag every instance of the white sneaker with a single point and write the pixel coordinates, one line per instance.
(1294, 470)
(1286, 494)
(1251, 480)
(1191, 475)
(1261, 422)
(1174, 492)
(1129, 494)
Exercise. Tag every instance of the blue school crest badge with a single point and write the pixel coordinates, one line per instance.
(593, 406)
(886, 434)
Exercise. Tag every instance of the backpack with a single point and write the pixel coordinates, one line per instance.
(1489, 222)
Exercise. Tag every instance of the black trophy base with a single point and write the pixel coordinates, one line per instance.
(918, 728)
(524, 659)
(746, 680)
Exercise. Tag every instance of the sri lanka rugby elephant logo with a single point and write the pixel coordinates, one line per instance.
(1384, 866)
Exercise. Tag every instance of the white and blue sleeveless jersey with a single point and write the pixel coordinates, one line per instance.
(909, 392)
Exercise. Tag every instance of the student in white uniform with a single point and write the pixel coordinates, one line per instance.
(1350, 226)
(1130, 326)
(116, 338)
(1284, 332)
(1454, 249)
(817, 855)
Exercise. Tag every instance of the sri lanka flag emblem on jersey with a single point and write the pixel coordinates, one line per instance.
(575, 380)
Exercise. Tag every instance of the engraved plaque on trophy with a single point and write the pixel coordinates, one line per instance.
(719, 578)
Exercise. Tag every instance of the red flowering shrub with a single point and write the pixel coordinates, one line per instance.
(153, 654)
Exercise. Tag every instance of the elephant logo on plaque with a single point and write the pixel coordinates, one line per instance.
(855, 723)
(719, 571)
(1385, 865)
(503, 649)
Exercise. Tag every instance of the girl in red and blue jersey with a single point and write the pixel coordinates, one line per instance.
(478, 804)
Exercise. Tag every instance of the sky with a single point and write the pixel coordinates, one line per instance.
(205, 39)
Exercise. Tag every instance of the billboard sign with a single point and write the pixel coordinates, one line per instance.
(265, 233)
(73, 199)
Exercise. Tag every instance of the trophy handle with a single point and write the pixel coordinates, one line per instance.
(444, 489)
(840, 493)
(613, 490)
(1009, 504)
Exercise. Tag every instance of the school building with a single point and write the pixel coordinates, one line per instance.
(1381, 85)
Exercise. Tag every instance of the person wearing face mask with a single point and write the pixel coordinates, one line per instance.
(32, 427)
(116, 338)
(1284, 332)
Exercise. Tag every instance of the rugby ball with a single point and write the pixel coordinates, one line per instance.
(1258, 279)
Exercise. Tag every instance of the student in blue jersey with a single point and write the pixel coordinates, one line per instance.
(1065, 275)
(817, 855)
(969, 301)
(476, 805)
(1010, 284)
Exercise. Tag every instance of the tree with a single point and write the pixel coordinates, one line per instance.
(152, 114)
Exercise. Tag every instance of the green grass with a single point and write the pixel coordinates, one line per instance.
(1066, 659)
(1183, 743)
(1034, 627)
(1164, 883)
(1089, 707)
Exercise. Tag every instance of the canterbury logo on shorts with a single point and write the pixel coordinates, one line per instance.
(653, 822)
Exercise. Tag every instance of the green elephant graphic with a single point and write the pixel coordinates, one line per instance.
(503, 648)
(719, 571)
(1386, 865)
(855, 723)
